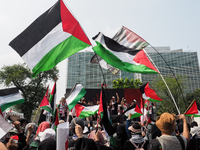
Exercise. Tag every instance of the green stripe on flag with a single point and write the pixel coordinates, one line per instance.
(47, 108)
(62, 51)
(135, 115)
(85, 114)
(9, 104)
(153, 100)
(114, 61)
(77, 98)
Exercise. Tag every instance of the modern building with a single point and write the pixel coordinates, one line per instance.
(80, 70)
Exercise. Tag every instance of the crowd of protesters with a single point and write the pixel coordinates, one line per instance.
(170, 132)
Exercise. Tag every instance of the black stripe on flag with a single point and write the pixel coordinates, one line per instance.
(142, 88)
(69, 92)
(37, 30)
(115, 46)
(9, 91)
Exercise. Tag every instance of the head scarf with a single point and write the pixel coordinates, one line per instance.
(48, 133)
(47, 144)
(44, 125)
(121, 136)
(34, 131)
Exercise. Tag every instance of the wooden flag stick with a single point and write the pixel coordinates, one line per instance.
(189, 106)
(36, 114)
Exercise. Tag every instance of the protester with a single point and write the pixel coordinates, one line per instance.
(121, 137)
(166, 124)
(47, 144)
(63, 109)
(30, 132)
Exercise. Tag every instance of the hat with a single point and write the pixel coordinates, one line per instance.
(113, 97)
(124, 100)
(78, 121)
(134, 100)
(166, 123)
(135, 128)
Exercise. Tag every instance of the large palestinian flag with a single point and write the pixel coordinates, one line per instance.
(124, 51)
(149, 94)
(10, 97)
(76, 93)
(194, 110)
(134, 110)
(83, 110)
(51, 38)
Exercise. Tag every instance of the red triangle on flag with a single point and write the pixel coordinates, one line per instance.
(151, 93)
(79, 109)
(193, 109)
(137, 109)
(44, 102)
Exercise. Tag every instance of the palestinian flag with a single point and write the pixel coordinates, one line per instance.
(56, 122)
(84, 110)
(10, 97)
(52, 98)
(50, 39)
(194, 110)
(98, 60)
(73, 96)
(100, 111)
(45, 103)
(134, 110)
(149, 94)
(151, 121)
(124, 51)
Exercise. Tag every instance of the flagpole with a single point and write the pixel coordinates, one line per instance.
(164, 82)
(170, 69)
(189, 106)
(36, 114)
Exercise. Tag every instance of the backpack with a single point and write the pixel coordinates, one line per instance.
(137, 147)
(194, 143)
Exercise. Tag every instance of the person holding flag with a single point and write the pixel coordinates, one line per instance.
(63, 108)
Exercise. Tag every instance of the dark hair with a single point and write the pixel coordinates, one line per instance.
(194, 123)
(180, 127)
(23, 120)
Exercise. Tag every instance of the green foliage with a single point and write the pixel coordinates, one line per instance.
(126, 84)
(194, 96)
(33, 89)
(168, 105)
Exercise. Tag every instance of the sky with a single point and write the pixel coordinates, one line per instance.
(159, 22)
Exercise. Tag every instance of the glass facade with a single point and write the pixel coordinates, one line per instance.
(182, 63)
(80, 70)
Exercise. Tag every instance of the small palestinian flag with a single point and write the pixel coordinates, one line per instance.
(134, 110)
(50, 39)
(52, 98)
(83, 110)
(124, 51)
(194, 110)
(73, 96)
(46, 105)
(98, 60)
(151, 121)
(56, 120)
(149, 94)
(10, 97)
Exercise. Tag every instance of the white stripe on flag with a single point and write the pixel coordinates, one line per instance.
(74, 94)
(10, 98)
(54, 37)
(91, 108)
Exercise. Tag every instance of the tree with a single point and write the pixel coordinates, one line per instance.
(168, 105)
(32, 89)
(193, 96)
(127, 84)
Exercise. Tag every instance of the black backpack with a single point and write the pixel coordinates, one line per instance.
(194, 143)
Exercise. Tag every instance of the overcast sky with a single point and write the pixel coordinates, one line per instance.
(173, 23)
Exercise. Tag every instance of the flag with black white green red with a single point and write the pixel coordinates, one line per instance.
(98, 60)
(10, 97)
(74, 95)
(134, 110)
(124, 51)
(193, 110)
(45, 103)
(149, 94)
(52, 98)
(56, 122)
(84, 110)
(51, 38)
